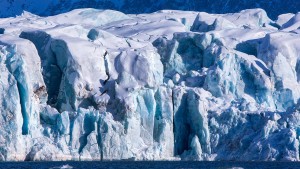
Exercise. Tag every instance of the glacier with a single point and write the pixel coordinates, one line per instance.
(95, 84)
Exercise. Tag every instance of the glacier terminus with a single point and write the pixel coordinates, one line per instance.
(95, 84)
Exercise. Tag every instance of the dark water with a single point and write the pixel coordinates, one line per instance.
(150, 165)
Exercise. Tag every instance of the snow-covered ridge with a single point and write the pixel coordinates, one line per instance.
(101, 85)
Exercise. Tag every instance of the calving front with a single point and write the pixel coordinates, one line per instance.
(170, 85)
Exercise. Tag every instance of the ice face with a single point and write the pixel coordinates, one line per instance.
(170, 85)
(250, 18)
(292, 24)
(277, 54)
(23, 91)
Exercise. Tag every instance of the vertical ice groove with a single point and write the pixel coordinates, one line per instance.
(18, 73)
(182, 128)
(89, 125)
(99, 140)
(67, 93)
(106, 64)
(22, 93)
(158, 117)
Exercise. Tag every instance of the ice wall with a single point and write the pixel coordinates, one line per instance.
(170, 85)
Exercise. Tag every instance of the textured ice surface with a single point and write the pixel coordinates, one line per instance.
(172, 85)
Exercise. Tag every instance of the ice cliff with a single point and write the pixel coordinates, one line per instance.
(171, 85)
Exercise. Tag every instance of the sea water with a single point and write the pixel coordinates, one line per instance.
(150, 165)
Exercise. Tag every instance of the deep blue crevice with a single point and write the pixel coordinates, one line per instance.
(99, 138)
(89, 127)
(2, 30)
(182, 129)
(23, 98)
(52, 73)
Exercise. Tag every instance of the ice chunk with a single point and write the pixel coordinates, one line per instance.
(19, 56)
(284, 18)
(163, 122)
(87, 17)
(292, 24)
(240, 74)
(277, 52)
(63, 123)
(63, 75)
(250, 18)
(205, 22)
(49, 115)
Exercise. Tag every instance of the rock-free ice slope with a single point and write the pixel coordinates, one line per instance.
(171, 85)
